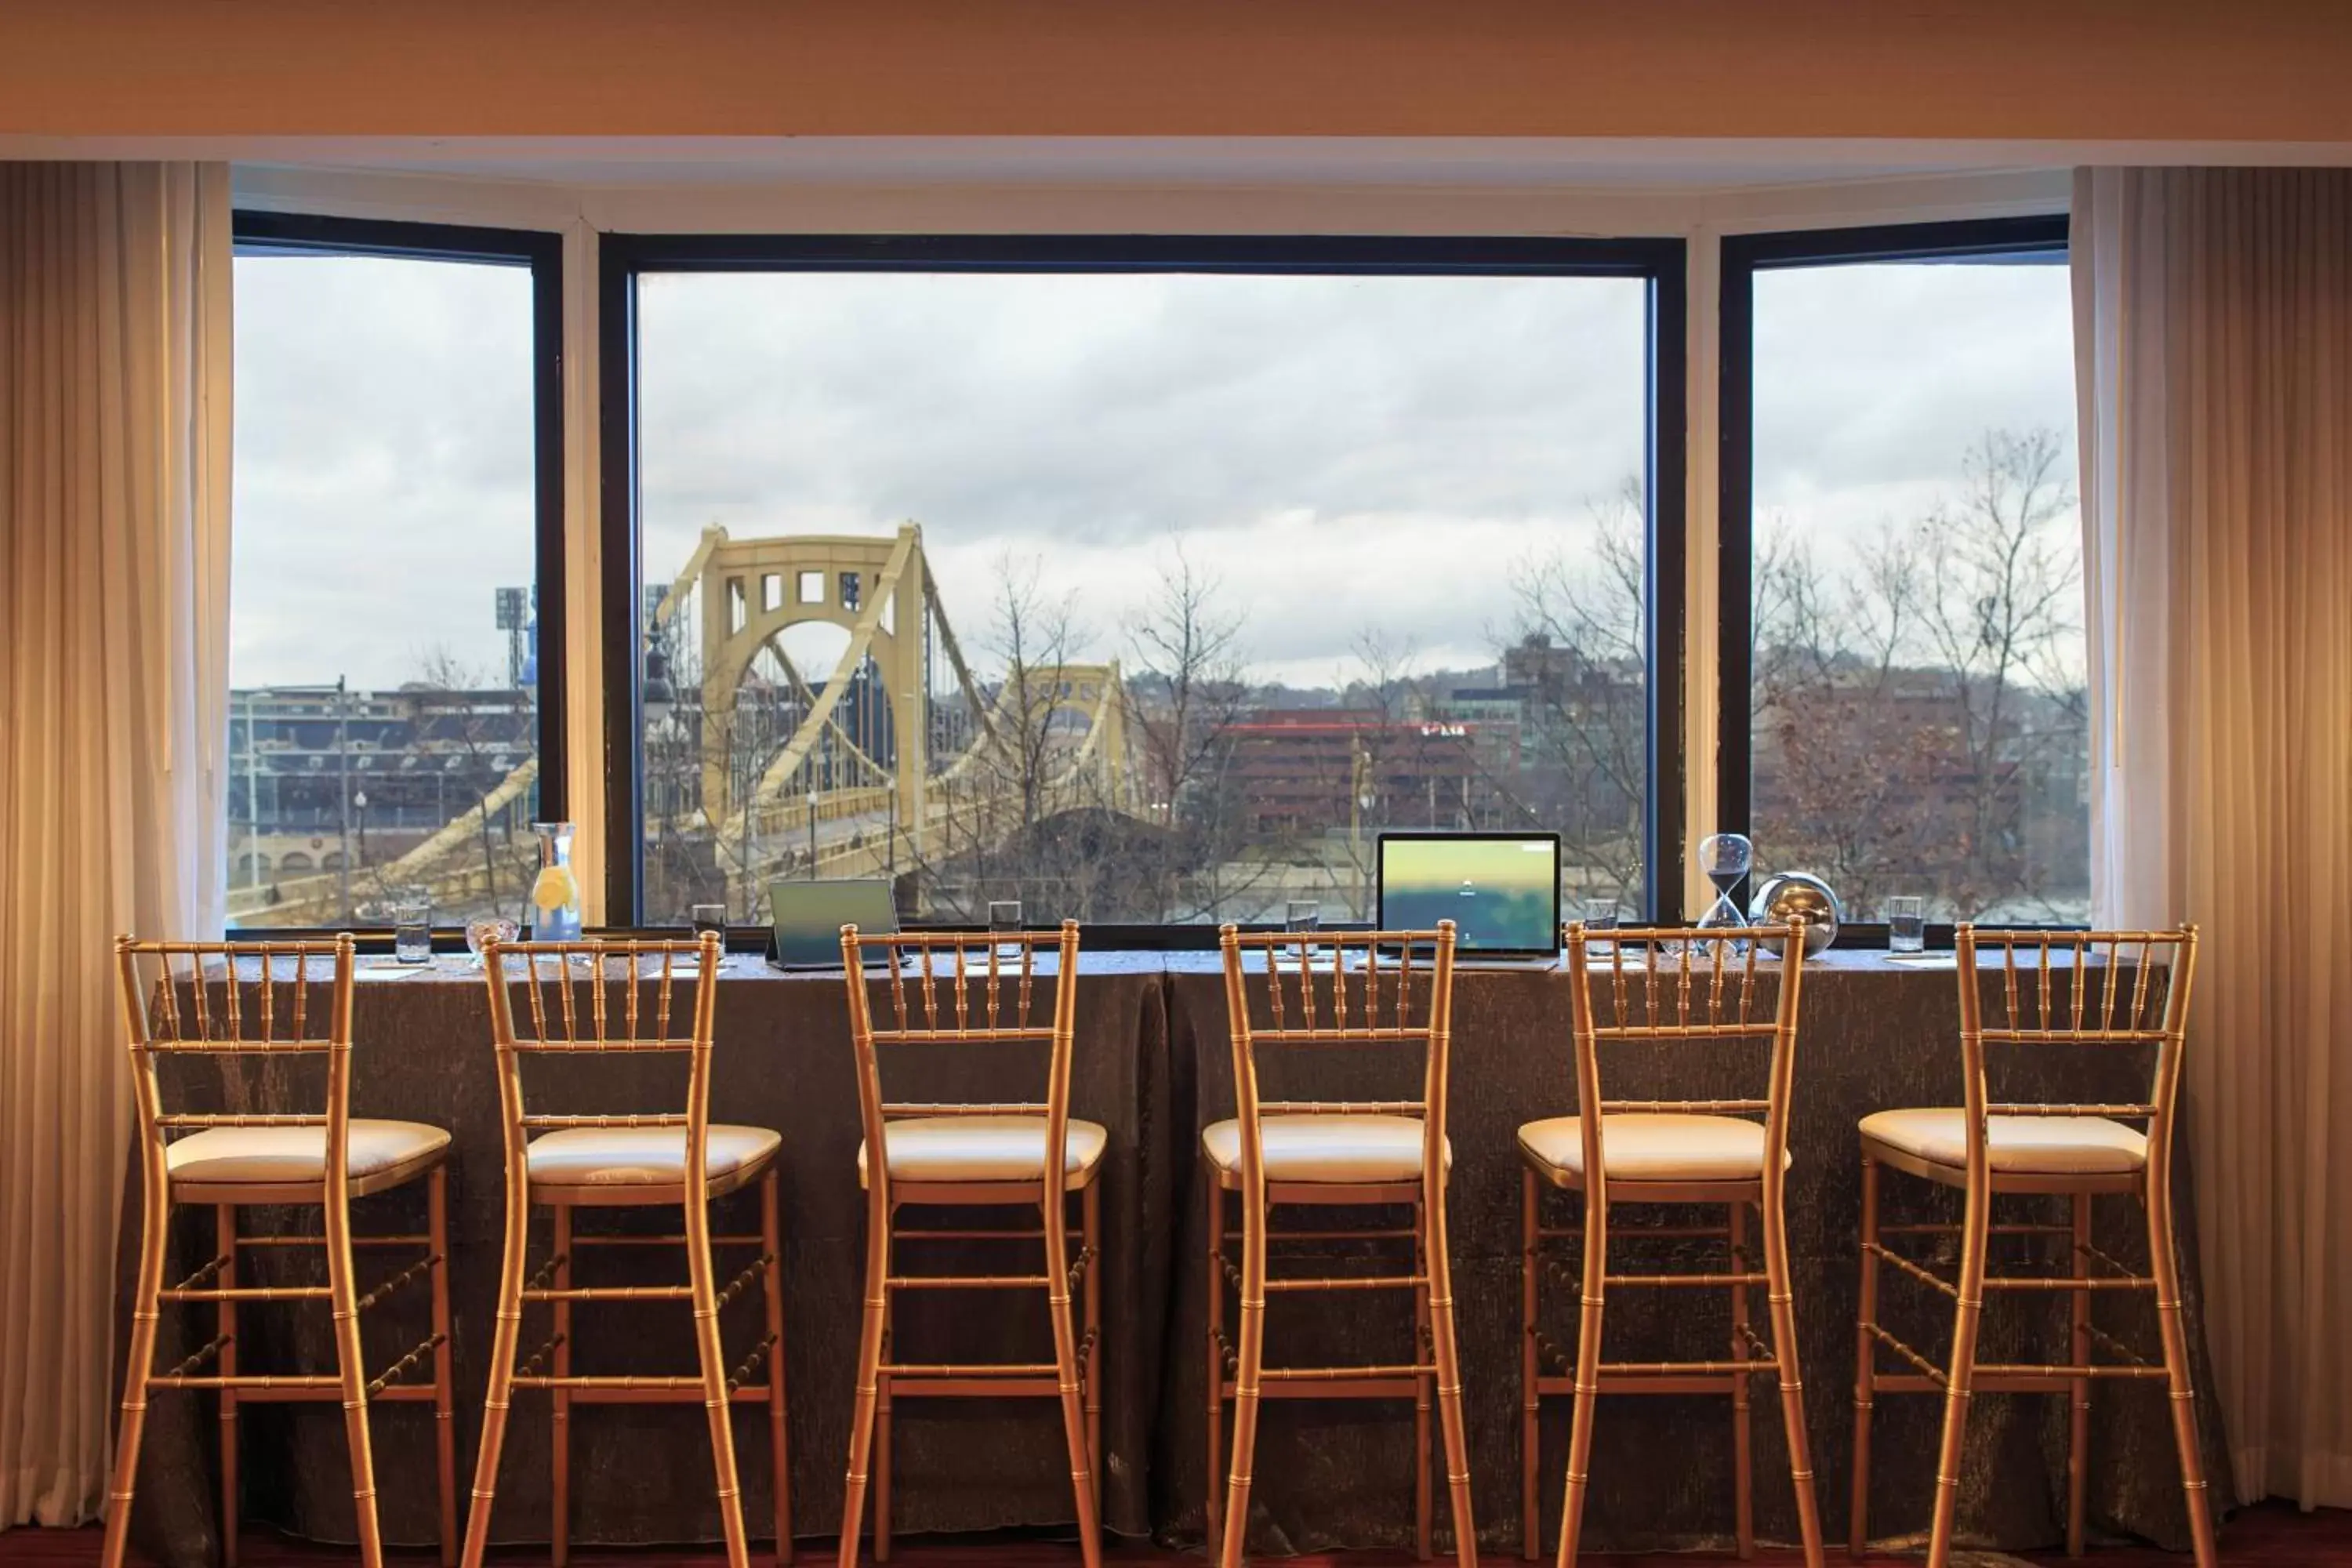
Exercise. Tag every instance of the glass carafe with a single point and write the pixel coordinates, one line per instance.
(555, 892)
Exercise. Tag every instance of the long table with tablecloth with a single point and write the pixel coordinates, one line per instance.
(1153, 1064)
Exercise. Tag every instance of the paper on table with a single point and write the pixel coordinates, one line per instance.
(390, 969)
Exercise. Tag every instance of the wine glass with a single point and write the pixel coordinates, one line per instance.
(1726, 858)
(487, 927)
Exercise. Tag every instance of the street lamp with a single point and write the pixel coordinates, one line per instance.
(1360, 801)
(811, 824)
(343, 793)
(660, 696)
(359, 805)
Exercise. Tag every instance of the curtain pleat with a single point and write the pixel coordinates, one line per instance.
(2213, 332)
(114, 365)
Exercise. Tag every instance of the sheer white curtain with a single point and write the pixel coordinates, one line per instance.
(114, 451)
(2213, 331)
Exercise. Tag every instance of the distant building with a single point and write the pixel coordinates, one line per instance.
(301, 759)
(1317, 769)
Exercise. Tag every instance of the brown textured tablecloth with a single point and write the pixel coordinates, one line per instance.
(1873, 1035)
(1153, 1066)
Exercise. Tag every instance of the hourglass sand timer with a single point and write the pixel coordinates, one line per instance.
(1726, 858)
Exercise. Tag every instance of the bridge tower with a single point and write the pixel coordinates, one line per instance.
(878, 590)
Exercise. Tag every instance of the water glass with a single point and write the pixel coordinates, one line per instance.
(411, 925)
(1907, 925)
(1599, 915)
(710, 917)
(1302, 914)
(1004, 918)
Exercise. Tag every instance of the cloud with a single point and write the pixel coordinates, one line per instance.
(1339, 453)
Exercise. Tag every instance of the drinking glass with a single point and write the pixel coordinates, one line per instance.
(710, 917)
(1599, 915)
(411, 925)
(1302, 914)
(1907, 925)
(483, 929)
(1004, 916)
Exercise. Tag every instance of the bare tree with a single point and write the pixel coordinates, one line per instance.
(1578, 647)
(482, 741)
(999, 830)
(1910, 710)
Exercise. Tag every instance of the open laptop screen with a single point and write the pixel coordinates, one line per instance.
(809, 917)
(1501, 892)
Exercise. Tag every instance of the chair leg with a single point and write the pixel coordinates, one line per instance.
(145, 1308)
(1214, 1477)
(1975, 1235)
(715, 1403)
(1090, 1244)
(558, 1444)
(1588, 1378)
(1449, 1377)
(1865, 1364)
(1057, 1207)
(343, 1297)
(771, 1244)
(882, 1416)
(505, 1330)
(1782, 1300)
(1248, 1364)
(225, 1239)
(1743, 1419)
(1531, 1370)
(2165, 1267)
(1424, 1387)
(870, 1357)
(2078, 1424)
(445, 1401)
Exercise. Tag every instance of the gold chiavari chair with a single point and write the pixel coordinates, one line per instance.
(1336, 1154)
(193, 999)
(1664, 987)
(590, 998)
(993, 1155)
(1989, 1149)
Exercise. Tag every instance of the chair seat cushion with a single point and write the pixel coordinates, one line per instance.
(644, 1156)
(1654, 1146)
(1345, 1149)
(985, 1149)
(2022, 1145)
(278, 1156)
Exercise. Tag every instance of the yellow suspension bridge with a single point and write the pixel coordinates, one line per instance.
(900, 758)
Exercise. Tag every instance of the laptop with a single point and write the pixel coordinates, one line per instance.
(1501, 890)
(808, 916)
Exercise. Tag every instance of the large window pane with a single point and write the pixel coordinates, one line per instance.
(383, 720)
(1919, 719)
(1139, 596)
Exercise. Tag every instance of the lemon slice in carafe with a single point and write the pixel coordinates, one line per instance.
(555, 888)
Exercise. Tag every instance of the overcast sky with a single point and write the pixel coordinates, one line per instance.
(1339, 454)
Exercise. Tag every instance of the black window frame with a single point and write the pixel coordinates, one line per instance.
(1742, 257)
(1660, 262)
(541, 252)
